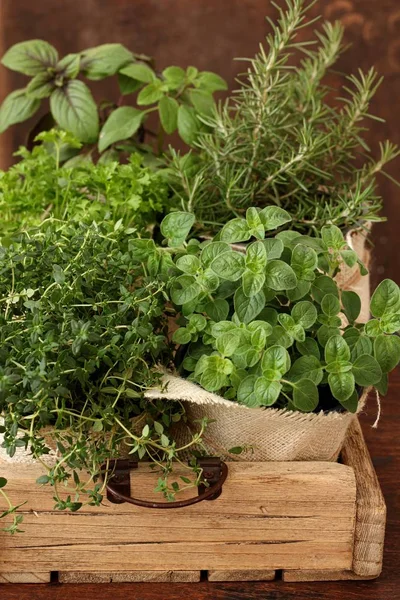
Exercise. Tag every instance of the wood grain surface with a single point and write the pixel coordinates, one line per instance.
(210, 33)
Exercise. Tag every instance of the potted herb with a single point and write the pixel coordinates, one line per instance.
(44, 184)
(83, 325)
(180, 98)
(272, 339)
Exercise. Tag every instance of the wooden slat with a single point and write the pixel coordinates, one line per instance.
(131, 577)
(320, 575)
(270, 516)
(241, 575)
(29, 577)
(371, 508)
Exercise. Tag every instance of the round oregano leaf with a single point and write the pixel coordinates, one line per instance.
(276, 358)
(273, 217)
(336, 349)
(387, 352)
(385, 299)
(279, 276)
(351, 305)
(236, 230)
(229, 266)
(247, 309)
(330, 305)
(266, 391)
(323, 285)
(176, 226)
(342, 385)
(366, 370)
(304, 313)
(305, 395)
(246, 394)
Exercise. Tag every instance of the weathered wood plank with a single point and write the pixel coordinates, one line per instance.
(131, 577)
(241, 575)
(320, 575)
(371, 508)
(28, 577)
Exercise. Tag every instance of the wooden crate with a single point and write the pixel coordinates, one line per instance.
(307, 521)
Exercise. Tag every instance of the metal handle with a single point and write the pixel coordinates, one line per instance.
(118, 488)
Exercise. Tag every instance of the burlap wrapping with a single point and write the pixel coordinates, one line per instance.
(273, 434)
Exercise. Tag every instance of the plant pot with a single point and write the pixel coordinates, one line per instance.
(272, 434)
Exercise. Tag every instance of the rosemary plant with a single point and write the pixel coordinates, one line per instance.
(281, 140)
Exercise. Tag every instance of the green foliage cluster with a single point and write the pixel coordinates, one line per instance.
(42, 184)
(82, 327)
(266, 324)
(179, 97)
(282, 139)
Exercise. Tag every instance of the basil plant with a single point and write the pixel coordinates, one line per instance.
(265, 324)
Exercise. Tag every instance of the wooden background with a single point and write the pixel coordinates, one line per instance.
(209, 34)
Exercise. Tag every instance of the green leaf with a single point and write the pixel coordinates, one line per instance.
(236, 230)
(139, 72)
(330, 305)
(333, 237)
(174, 76)
(120, 125)
(387, 352)
(325, 332)
(227, 343)
(17, 107)
(391, 323)
(181, 336)
(305, 395)
(188, 124)
(342, 385)
(309, 347)
(127, 85)
(202, 101)
(267, 392)
(351, 305)
(217, 309)
(168, 109)
(188, 264)
(337, 350)
(385, 299)
(276, 358)
(246, 394)
(214, 376)
(304, 261)
(382, 385)
(279, 276)
(351, 335)
(97, 426)
(246, 308)
(323, 285)
(31, 57)
(273, 247)
(349, 257)
(256, 257)
(176, 226)
(306, 367)
(69, 66)
(366, 370)
(352, 403)
(58, 274)
(304, 313)
(3, 482)
(210, 81)
(104, 61)
(43, 479)
(150, 94)
(213, 250)
(184, 289)
(41, 86)
(373, 328)
(252, 283)
(273, 217)
(74, 110)
(229, 265)
(280, 337)
(362, 346)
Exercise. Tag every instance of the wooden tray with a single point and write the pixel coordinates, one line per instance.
(302, 521)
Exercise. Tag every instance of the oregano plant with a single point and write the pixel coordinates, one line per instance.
(181, 98)
(266, 324)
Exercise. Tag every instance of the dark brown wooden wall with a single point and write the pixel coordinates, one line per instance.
(209, 34)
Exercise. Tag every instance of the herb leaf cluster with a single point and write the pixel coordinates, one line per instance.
(280, 140)
(43, 183)
(267, 324)
(179, 97)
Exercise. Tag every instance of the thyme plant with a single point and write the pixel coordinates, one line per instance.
(83, 326)
(283, 138)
